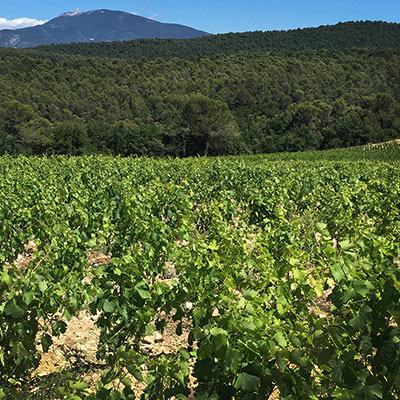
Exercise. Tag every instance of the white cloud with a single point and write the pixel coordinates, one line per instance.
(19, 23)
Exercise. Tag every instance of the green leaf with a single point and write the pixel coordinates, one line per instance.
(184, 353)
(207, 396)
(109, 375)
(297, 357)
(376, 390)
(213, 245)
(126, 382)
(361, 288)
(178, 376)
(80, 386)
(179, 330)
(14, 310)
(294, 340)
(293, 261)
(58, 327)
(46, 341)
(247, 325)
(326, 355)
(232, 359)
(28, 297)
(69, 209)
(280, 339)
(337, 272)
(357, 322)
(219, 344)
(67, 315)
(109, 306)
(346, 245)
(2, 358)
(92, 242)
(250, 294)
(43, 286)
(135, 371)
(144, 294)
(321, 228)
(218, 331)
(5, 278)
(247, 382)
(204, 369)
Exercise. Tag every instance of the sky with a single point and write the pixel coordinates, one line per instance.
(213, 16)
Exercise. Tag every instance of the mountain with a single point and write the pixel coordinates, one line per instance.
(345, 35)
(94, 26)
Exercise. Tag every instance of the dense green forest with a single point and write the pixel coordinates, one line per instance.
(247, 102)
(336, 37)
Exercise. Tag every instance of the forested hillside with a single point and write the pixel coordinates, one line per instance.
(247, 102)
(341, 36)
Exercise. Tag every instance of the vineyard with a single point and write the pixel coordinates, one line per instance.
(279, 277)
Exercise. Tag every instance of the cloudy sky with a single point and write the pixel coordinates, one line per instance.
(212, 15)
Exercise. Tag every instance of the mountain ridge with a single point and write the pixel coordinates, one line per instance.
(94, 26)
(344, 35)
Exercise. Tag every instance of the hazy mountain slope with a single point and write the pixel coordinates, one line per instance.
(94, 26)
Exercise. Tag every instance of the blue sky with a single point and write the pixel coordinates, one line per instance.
(214, 16)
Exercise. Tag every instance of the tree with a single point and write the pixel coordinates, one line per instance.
(37, 134)
(71, 138)
(129, 138)
(211, 126)
(13, 114)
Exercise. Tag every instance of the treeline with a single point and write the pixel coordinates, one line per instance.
(231, 104)
(336, 37)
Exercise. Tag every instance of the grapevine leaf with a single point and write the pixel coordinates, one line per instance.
(218, 331)
(203, 369)
(46, 341)
(337, 272)
(5, 278)
(280, 339)
(232, 359)
(247, 382)
(80, 386)
(126, 382)
(346, 245)
(321, 228)
(357, 322)
(43, 286)
(376, 390)
(213, 246)
(14, 310)
(219, 343)
(28, 297)
(109, 306)
(144, 294)
(249, 294)
(178, 376)
(135, 371)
